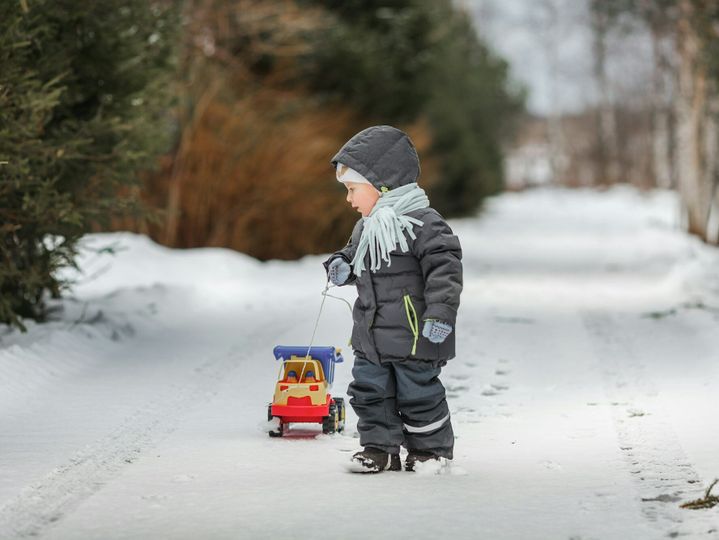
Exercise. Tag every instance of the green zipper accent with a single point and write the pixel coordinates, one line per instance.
(413, 324)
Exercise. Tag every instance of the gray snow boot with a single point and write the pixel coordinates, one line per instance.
(373, 460)
(415, 456)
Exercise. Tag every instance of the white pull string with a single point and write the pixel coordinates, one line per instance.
(317, 322)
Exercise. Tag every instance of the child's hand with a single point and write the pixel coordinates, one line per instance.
(436, 331)
(338, 271)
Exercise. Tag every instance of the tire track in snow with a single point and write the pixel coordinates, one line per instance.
(44, 503)
(660, 468)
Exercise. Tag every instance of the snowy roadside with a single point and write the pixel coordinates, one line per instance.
(583, 393)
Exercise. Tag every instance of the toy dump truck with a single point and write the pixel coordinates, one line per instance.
(302, 393)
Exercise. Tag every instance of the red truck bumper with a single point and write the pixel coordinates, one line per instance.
(302, 410)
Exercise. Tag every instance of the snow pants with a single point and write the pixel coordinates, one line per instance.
(401, 404)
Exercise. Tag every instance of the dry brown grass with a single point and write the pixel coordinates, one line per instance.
(251, 168)
(708, 501)
(257, 179)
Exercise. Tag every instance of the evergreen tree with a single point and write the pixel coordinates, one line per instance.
(378, 55)
(83, 97)
(472, 110)
(396, 60)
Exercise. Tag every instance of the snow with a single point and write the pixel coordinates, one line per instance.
(583, 395)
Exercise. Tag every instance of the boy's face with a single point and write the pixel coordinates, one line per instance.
(361, 196)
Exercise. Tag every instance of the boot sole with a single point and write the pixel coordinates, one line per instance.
(366, 466)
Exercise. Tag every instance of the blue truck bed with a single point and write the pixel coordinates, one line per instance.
(328, 356)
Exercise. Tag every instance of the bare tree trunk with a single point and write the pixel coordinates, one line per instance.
(547, 18)
(555, 133)
(609, 170)
(713, 218)
(663, 121)
(711, 179)
(696, 144)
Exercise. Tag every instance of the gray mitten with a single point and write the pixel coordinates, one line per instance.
(436, 331)
(338, 271)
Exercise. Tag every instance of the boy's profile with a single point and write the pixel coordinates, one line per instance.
(406, 264)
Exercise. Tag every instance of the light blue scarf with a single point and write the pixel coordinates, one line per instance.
(384, 227)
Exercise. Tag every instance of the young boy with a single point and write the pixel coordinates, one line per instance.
(406, 264)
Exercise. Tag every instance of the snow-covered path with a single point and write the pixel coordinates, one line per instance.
(584, 392)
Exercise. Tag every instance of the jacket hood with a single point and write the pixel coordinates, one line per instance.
(384, 155)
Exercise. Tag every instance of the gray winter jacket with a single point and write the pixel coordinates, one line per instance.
(423, 283)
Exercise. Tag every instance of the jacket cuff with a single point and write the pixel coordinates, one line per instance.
(326, 263)
(441, 312)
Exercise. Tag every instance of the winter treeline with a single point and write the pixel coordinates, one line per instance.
(271, 89)
(85, 89)
(212, 122)
(683, 97)
(650, 80)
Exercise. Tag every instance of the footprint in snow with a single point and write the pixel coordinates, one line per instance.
(154, 498)
(184, 478)
(441, 467)
(514, 320)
